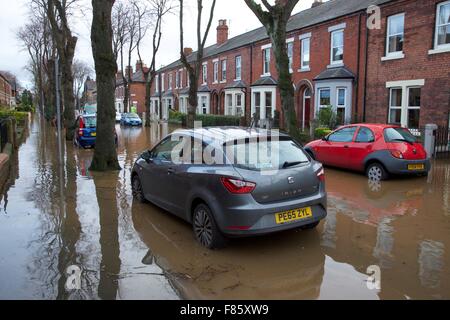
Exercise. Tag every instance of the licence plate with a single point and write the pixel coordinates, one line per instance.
(93, 134)
(293, 215)
(414, 167)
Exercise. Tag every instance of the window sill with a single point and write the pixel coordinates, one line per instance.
(393, 57)
(439, 50)
(265, 75)
(215, 82)
(223, 81)
(335, 65)
(304, 70)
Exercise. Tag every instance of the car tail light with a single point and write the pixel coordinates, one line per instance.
(236, 186)
(80, 132)
(321, 174)
(397, 154)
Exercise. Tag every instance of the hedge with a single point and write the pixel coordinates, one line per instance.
(208, 120)
(18, 115)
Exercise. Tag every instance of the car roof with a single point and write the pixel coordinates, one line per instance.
(226, 134)
(373, 126)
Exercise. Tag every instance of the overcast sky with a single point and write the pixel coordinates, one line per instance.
(14, 14)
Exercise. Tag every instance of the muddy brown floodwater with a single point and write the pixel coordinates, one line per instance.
(54, 216)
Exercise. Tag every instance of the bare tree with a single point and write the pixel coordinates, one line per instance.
(275, 19)
(105, 154)
(159, 9)
(58, 13)
(81, 71)
(193, 66)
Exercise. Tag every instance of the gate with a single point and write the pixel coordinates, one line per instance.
(442, 143)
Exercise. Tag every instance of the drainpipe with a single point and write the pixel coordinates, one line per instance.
(358, 65)
(365, 71)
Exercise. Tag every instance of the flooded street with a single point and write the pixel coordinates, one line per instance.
(53, 217)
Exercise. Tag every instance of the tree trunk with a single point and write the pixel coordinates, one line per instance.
(192, 100)
(285, 86)
(148, 88)
(67, 85)
(50, 91)
(105, 154)
(126, 94)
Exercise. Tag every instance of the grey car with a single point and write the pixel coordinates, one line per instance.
(240, 193)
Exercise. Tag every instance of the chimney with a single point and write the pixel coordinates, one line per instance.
(119, 75)
(222, 32)
(139, 65)
(316, 3)
(187, 51)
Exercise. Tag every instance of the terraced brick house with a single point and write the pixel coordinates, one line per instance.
(397, 72)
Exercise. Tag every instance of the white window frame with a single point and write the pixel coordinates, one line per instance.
(170, 81)
(157, 83)
(318, 98)
(223, 69)
(238, 66)
(200, 108)
(181, 78)
(332, 61)
(439, 48)
(163, 76)
(391, 107)
(216, 71)
(404, 85)
(231, 101)
(205, 73)
(395, 54)
(266, 71)
(290, 43)
(304, 67)
(262, 91)
(341, 106)
(177, 79)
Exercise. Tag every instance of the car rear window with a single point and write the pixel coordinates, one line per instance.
(266, 155)
(90, 122)
(399, 135)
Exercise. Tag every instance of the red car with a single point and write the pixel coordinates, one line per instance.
(376, 149)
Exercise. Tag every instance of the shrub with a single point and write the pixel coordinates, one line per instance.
(19, 116)
(319, 133)
(25, 108)
(176, 117)
(208, 120)
(327, 117)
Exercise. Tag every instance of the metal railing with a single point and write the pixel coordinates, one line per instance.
(442, 142)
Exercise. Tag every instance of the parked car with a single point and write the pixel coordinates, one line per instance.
(130, 119)
(378, 150)
(85, 134)
(239, 197)
(86, 131)
(118, 117)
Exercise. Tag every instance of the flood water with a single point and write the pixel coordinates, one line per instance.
(54, 216)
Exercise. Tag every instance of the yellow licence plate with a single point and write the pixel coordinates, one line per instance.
(293, 215)
(413, 167)
(93, 134)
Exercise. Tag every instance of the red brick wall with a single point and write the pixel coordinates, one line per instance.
(137, 93)
(5, 92)
(417, 64)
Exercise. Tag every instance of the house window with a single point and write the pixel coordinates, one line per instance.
(266, 61)
(229, 104)
(181, 79)
(224, 70)
(443, 26)
(170, 81)
(239, 104)
(162, 82)
(395, 106)
(157, 83)
(395, 34)
(238, 68)
(413, 108)
(341, 105)
(305, 53)
(290, 53)
(257, 99)
(337, 47)
(204, 104)
(324, 98)
(216, 71)
(205, 73)
(269, 105)
(177, 80)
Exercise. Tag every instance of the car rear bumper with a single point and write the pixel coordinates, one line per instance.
(401, 166)
(86, 142)
(259, 219)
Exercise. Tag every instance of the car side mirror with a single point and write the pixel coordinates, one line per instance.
(325, 138)
(147, 157)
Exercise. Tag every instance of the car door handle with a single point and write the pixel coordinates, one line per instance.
(171, 171)
(346, 147)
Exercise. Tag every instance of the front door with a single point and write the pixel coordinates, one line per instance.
(307, 112)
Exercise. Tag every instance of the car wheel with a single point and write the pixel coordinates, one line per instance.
(310, 226)
(376, 172)
(205, 229)
(137, 191)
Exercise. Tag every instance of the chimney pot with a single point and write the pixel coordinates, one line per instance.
(316, 3)
(187, 51)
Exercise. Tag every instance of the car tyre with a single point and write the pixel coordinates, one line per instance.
(310, 226)
(205, 228)
(376, 172)
(137, 191)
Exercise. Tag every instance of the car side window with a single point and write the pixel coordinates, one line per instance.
(164, 150)
(365, 135)
(342, 135)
